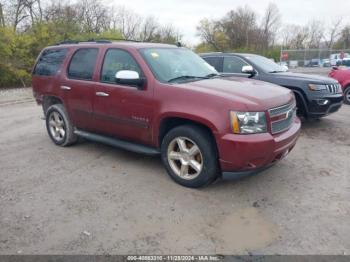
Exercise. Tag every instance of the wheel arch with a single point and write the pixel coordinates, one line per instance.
(346, 85)
(300, 99)
(49, 100)
(171, 121)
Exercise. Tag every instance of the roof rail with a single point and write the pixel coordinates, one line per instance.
(97, 41)
(67, 42)
(120, 39)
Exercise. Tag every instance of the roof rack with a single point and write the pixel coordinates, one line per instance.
(97, 41)
(67, 42)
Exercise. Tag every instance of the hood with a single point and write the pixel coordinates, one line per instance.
(255, 95)
(315, 79)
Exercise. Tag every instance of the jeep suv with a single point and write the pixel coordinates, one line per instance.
(163, 99)
(316, 96)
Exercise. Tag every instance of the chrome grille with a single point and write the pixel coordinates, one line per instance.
(284, 116)
(333, 89)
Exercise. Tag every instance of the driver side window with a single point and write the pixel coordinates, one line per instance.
(233, 65)
(116, 60)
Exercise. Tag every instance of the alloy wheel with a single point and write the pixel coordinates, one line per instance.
(57, 126)
(185, 158)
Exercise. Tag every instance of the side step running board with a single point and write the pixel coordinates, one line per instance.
(137, 148)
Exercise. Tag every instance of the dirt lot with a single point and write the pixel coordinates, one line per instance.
(92, 198)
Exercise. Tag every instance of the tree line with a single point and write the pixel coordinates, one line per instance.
(27, 26)
(241, 29)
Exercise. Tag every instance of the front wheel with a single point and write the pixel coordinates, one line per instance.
(190, 157)
(347, 95)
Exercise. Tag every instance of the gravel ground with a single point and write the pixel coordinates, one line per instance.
(15, 95)
(94, 199)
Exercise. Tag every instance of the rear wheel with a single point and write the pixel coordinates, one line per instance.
(347, 95)
(189, 155)
(59, 127)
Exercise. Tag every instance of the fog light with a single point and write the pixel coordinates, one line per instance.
(323, 102)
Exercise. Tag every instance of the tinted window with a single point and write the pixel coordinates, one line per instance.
(115, 61)
(265, 64)
(83, 63)
(215, 62)
(49, 62)
(233, 65)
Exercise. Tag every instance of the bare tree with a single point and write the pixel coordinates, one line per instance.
(127, 22)
(295, 36)
(168, 34)
(316, 29)
(270, 24)
(148, 29)
(93, 15)
(210, 32)
(240, 27)
(344, 40)
(19, 14)
(2, 15)
(65, 17)
(333, 32)
(34, 10)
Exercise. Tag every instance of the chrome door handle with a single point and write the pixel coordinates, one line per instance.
(66, 88)
(101, 94)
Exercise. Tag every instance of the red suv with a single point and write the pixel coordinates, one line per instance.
(343, 77)
(163, 99)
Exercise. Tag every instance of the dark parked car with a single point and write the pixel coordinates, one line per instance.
(345, 62)
(316, 96)
(164, 100)
(314, 63)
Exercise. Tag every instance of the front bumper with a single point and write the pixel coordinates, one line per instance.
(241, 174)
(317, 109)
(242, 155)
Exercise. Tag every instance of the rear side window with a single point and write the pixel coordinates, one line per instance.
(233, 64)
(215, 62)
(49, 62)
(83, 63)
(115, 61)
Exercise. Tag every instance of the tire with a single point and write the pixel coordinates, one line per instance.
(347, 95)
(187, 165)
(59, 127)
(301, 112)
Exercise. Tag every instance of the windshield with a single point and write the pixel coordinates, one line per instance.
(266, 64)
(177, 64)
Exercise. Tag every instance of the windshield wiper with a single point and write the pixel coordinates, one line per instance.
(186, 77)
(212, 75)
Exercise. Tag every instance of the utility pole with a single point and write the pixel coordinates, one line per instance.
(281, 53)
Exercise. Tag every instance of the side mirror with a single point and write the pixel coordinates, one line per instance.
(335, 68)
(128, 77)
(248, 70)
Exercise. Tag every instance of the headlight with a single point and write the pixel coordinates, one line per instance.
(314, 87)
(248, 122)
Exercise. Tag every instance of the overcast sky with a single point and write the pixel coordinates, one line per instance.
(185, 14)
